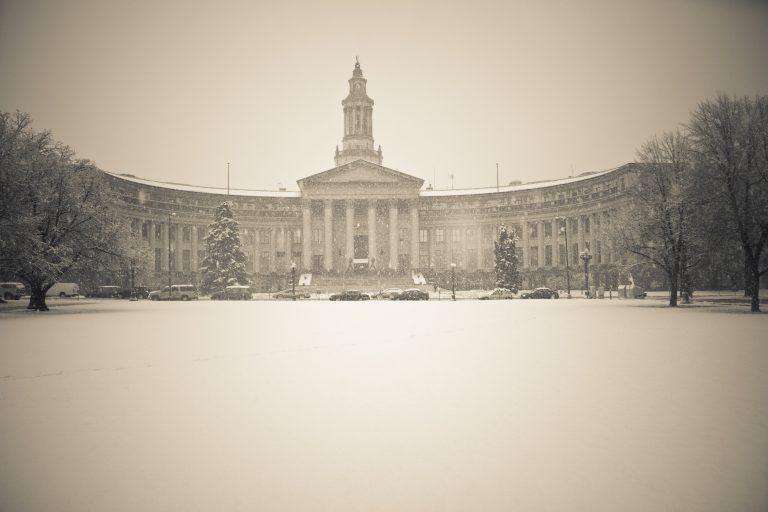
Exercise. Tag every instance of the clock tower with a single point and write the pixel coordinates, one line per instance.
(357, 143)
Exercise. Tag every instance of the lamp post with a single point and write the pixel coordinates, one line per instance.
(293, 279)
(564, 230)
(453, 281)
(585, 256)
(169, 254)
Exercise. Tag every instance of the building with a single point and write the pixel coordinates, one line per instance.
(364, 218)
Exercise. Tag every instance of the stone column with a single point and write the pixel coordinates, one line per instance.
(179, 247)
(480, 247)
(288, 237)
(306, 236)
(328, 233)
(166, 256)
(542, 260)
(350, 231)
(415, 234)
(273, 249)
(372, 233)
(193, 263)
(526, 245)
(256, 252)
(432, 259)
(394, 244)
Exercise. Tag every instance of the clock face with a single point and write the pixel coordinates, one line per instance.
(357, 86)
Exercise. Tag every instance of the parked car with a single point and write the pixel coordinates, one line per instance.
(63, 290)
(412, 294)
(105, 292)
(178, 292)
(288, 294)
(140, 292)
(498, 294)
(350, 295)
(234, 292)
(389, 293)
(12, 291)
(540, 293)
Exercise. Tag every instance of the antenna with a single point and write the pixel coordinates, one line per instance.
(227, 178)
(451, 176)
(497, 176)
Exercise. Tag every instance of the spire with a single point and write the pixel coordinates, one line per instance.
(357, 143)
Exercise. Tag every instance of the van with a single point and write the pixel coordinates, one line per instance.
(63, 290)
(178, 292)
(12, 291)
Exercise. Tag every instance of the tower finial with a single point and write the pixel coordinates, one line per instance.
(357, 62)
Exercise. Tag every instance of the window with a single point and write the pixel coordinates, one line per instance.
(186, 234)
(455, 235)
(172, 233)
(575, 254)
(547, 229)
(265, 236)
(297, 235)
(586, 245)
(158, 232)
(423, 260)
(423, 236)
(586, 224)
(561, 255)
(158, 259)
(599, 252)
(533, 230)
(548, 255)
(145, 231)
(534, 256)
(574, 227)
(186, 260)
(403, 234)
(201, 232)
(439, 235)
(470, 235)
(317, 236)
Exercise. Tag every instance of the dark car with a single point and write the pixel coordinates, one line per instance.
(288, 294)
(350, 295)
(235, 292)
(540, 293)
(105, 292)
(139, 292)
(412, 294)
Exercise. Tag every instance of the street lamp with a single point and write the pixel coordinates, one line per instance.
(585, 257)
(453, 281)
(564, 230)
(293, 279)
(169, 254)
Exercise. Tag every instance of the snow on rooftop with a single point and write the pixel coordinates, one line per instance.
(207, 190)
(513, 188)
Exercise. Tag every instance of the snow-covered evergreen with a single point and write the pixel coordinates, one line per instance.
(507, 275)
(224, 263)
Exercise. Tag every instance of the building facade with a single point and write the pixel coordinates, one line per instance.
(363, 217)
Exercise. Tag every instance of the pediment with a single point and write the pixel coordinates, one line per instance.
(361, 172)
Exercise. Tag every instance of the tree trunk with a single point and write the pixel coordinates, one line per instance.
(37, 298)
(754, 288)
(673, 292)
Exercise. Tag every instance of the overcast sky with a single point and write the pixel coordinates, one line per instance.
(172, 91)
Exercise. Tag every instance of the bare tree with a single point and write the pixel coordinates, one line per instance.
(658, 225)
(58, 213)
(730, 137)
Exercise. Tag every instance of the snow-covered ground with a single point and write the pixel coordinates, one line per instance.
(391, 406)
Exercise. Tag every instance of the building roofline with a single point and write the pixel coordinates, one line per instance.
(206, 190)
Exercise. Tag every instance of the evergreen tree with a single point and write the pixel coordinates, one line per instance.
(224, 263)
(505, 265)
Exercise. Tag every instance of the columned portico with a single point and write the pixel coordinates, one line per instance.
(414, 208)
(394, 244)
(328, 233)
(306, 235)
(350, 232)
(372, 232)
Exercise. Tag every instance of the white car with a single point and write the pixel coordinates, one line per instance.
(178, 292)
(499, 294)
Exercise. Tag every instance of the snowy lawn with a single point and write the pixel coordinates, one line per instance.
(383, 406)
